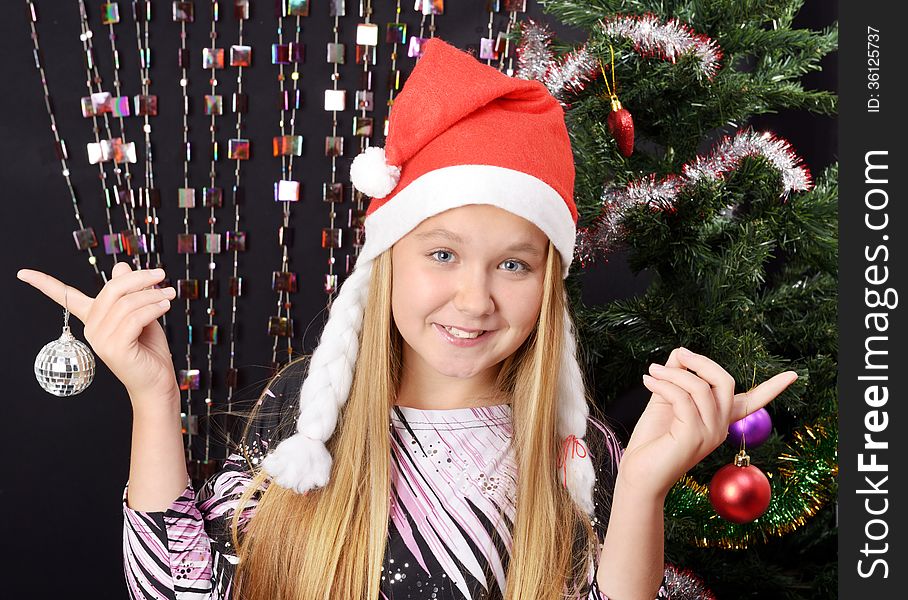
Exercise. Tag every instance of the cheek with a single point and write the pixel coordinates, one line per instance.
(415, 293)
(521, 306)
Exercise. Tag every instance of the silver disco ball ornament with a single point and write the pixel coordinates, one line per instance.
(66, 366)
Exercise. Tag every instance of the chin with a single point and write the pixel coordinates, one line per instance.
(447, 369)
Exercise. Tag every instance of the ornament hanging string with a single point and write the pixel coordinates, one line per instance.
(742, 459)
(65, 308)
(746, 413)
(613, 89)
(620, 122)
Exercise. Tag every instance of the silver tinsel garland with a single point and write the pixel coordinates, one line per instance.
(668, 41)
(605, 234)
(535, 60)
(683, 584)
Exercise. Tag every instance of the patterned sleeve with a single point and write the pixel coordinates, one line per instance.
(167, 554)
(185, 552)
(606, 450)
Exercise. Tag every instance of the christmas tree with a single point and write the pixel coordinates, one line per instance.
(740, 243)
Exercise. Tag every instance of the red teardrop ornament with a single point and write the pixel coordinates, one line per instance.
(621, 126)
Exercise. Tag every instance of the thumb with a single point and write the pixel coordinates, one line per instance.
(120, 268)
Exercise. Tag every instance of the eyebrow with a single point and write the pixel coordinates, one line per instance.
(453, 237)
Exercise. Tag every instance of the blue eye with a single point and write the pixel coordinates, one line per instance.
(438, 252)
(525, 267)
(517, 262)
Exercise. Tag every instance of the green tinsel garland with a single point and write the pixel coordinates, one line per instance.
(805, 484)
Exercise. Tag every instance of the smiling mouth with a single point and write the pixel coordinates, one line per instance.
(463, 334)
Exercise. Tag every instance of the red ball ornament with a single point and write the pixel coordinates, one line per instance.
(740, 492)
(621, 126)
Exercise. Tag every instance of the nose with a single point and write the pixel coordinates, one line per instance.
(474, 293)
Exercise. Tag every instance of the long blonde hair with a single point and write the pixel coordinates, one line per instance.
(330, 542)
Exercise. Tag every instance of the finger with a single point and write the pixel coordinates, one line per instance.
(116, 321)
(699, 390)
(120, 268)
(683, 405)
(123, 281)
(132, 324)
(65, 295)
(755, 399)
(711, 372)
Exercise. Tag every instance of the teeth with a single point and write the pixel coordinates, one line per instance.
(463, 334)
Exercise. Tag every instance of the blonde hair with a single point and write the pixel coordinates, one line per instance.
(330, 542)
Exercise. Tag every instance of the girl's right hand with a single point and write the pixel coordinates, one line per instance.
(121, 327)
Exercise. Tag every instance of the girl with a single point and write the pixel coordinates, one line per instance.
(445, 384)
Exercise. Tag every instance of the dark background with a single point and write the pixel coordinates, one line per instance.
(69, 457)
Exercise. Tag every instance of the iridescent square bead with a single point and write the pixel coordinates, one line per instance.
(287, 191)
(183, 12)
(336, 53)
(362, 126)
(367, 34)
(213, 197)
(283, 281)
(85, 238)
(331, 237)
(212, 58)
(188, 289)
(189, 380)
(186, 243)
(186, 197)
(236, 241)
(334, 145)
(396, 33)
(110, 13)
(333, 192)
(280, 326)
(299, 8)
(213, 243)
(238, 149)
(213, 104)
(240, 56)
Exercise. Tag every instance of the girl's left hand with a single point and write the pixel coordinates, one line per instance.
(687, 418)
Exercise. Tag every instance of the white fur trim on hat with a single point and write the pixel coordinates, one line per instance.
(371, 174)
(449, 187)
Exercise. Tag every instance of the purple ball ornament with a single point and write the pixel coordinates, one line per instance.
(754, 428)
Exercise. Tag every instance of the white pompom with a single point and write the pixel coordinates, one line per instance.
(299, 463)
(372, 175)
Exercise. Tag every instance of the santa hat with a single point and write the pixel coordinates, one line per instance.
(460, 132)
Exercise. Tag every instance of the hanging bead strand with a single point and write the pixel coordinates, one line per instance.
(135, 240)
(336, 101)
(286, 190)
(187, 288)
(363, 126)
(100, 151)
(212, 198)
(396, 35)
(112, 149)
(84, 236)
(240, 57)
(145, 105)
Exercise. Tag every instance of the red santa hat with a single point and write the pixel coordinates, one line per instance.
(460, 132)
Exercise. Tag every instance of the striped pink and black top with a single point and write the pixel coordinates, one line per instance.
(452, 509)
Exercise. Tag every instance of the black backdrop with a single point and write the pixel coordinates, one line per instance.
(69, 457)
